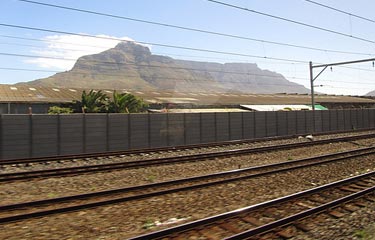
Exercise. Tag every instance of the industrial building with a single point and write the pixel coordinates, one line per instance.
(22, 99)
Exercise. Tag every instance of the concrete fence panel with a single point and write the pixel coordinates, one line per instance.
(359, 118)
(271, 124)
(282, 123)
(96, 132)
(354, 119)
(309, 121)
(192, 128)
(347, 120)
(340, 120)
(16, 136)
(301, 122)
(45, 135)
(118, 132)
(249, 125)
(176, 129)
(333, 119)
(72, 134)
(222, 126)
(236, 126)
(366, 120)
(260, 122)
(371, 118)
(318, 121)
(292, 123)
(208, 130)
(139, 131)
(326, 122)
(158, 130)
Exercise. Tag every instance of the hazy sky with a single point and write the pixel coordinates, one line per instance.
(200, 14)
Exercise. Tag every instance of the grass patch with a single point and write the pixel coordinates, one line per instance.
(151, 178)
(148, 224)
(361, 234)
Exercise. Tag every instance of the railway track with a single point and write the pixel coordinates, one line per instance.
(20, 211)
(278, 218)
(58, 172)
(88, 156)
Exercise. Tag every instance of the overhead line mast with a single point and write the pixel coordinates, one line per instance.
(325, 66)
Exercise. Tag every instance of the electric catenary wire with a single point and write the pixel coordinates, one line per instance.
(106, 48)
(137, 76)
(162, 77)
(138, 65)
(341, 11)
(191, 29)
(150, 43)
(292, 21)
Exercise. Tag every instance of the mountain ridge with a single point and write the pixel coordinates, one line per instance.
(132, 66)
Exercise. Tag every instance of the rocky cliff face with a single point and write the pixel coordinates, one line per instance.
(132, 66)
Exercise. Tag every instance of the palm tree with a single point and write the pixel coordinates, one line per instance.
(126, 103)
(93, 102)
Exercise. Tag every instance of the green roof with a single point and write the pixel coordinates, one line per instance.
(319, 107)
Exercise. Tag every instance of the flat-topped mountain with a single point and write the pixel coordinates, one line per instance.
(133, 66)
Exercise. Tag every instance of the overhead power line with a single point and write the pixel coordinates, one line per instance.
(349, 82)
(101, 47)
(292, 21)
(191, 29)
(106, 48)
(155, 66)
(150, 43)
(180, 79)
(341, 11)
(51, 41)
(40, 47)
(140, 65)
(357, 68)
(154, 77)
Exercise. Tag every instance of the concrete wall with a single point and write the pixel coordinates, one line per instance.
(24, 136)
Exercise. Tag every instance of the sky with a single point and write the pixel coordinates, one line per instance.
(292, 62)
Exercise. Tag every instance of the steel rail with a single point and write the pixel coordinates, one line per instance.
(159, 149)
(288, 166)
(289, 220)
(161, 234)
(168, 160)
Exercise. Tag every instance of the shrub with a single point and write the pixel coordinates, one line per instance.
(59, 110)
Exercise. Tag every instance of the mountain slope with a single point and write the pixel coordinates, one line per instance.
(132, 66)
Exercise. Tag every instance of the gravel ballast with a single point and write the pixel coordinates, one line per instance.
(155, 155)
(56, 187)
(129, 219)
(359, 225)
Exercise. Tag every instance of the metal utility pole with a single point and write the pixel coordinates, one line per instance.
(312, 86)
(324, 66)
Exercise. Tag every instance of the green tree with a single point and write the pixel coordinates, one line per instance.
(126, 103)
(93, 102)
